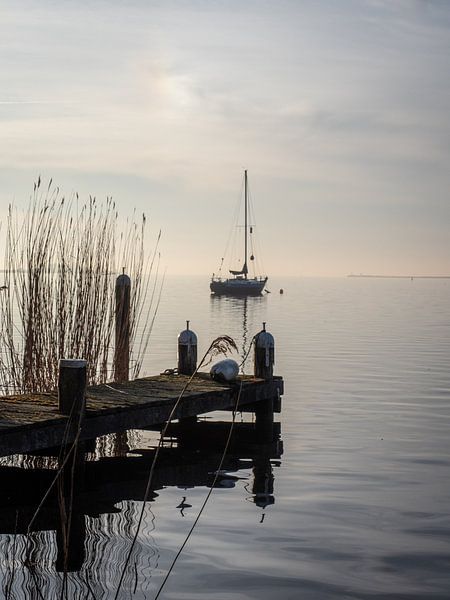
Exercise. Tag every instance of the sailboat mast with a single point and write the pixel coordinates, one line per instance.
(245, 258)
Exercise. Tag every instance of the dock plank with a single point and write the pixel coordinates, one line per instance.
(32, 422)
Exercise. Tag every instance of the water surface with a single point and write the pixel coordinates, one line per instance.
(360, 506)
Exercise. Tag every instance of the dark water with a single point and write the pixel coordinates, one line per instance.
(356, 506)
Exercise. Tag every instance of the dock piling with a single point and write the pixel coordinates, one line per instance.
(264, 359)
(122, 340)
(72, 403)
(187, 364)
(72, 386)
(187, 351)
(264, 354)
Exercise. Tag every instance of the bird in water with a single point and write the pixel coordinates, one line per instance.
(183, 505)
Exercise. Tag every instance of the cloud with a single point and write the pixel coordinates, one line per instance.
(333, 106)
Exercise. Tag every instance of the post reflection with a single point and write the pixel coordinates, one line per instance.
(107, 508)
(263, 480)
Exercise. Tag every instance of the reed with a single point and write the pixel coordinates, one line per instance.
(61, 261)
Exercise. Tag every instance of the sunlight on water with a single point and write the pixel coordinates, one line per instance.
(357, 505)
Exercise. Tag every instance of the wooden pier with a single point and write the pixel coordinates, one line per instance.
(63, 423)
(29, 423)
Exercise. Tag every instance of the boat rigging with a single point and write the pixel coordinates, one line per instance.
(241, 284)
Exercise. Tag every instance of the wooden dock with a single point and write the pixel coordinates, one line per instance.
(30, 423)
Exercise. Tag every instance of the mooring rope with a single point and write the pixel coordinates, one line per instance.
(208, 495)
(214, 345)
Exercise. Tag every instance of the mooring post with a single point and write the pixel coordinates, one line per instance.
(122, 341)
(71, 527)
(264, 354)
(72, 386)
(72, 402)
(187, 351)
(187, 364)
(122, 348)
(264, 359)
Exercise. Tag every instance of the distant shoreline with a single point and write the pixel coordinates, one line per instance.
(402, 276)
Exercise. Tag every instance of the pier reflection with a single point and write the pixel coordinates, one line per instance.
(35, 558)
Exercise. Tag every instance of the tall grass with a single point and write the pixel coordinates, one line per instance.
(61, 262)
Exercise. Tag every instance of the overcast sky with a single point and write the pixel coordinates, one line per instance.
(340, 111)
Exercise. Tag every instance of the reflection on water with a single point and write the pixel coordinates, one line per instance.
(362, 497)
(105, 513)
(363, 494)
(241, 314)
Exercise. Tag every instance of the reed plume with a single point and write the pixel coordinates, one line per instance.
(61, 261)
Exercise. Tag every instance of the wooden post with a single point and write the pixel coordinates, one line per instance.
(72, 402)
(72, 386)
(187, 364)
(71, 527)
(263, 369)
(187, 352)
(122, 349)
(122, 345)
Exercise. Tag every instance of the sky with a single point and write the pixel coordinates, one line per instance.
(339, 109)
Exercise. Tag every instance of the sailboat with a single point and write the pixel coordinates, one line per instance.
(240, 284)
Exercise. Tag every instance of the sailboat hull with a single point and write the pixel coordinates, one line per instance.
(238, 287)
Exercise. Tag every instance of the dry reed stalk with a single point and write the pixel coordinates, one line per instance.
(220, 345)
(61, 261)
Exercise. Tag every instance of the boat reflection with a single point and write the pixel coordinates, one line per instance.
(108, 507)
(245, 314)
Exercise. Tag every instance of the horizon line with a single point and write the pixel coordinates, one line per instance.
(401, 276)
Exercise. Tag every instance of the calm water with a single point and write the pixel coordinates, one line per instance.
(360, 506)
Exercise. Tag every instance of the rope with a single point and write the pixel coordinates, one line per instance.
(216, 476)
(254, 239)
(152, 467)
(233, 229)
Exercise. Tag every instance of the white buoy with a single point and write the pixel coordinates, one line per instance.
(225, 370)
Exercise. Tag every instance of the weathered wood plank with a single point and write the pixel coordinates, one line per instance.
(33, 422)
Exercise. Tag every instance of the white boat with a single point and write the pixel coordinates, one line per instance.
(240, 284)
